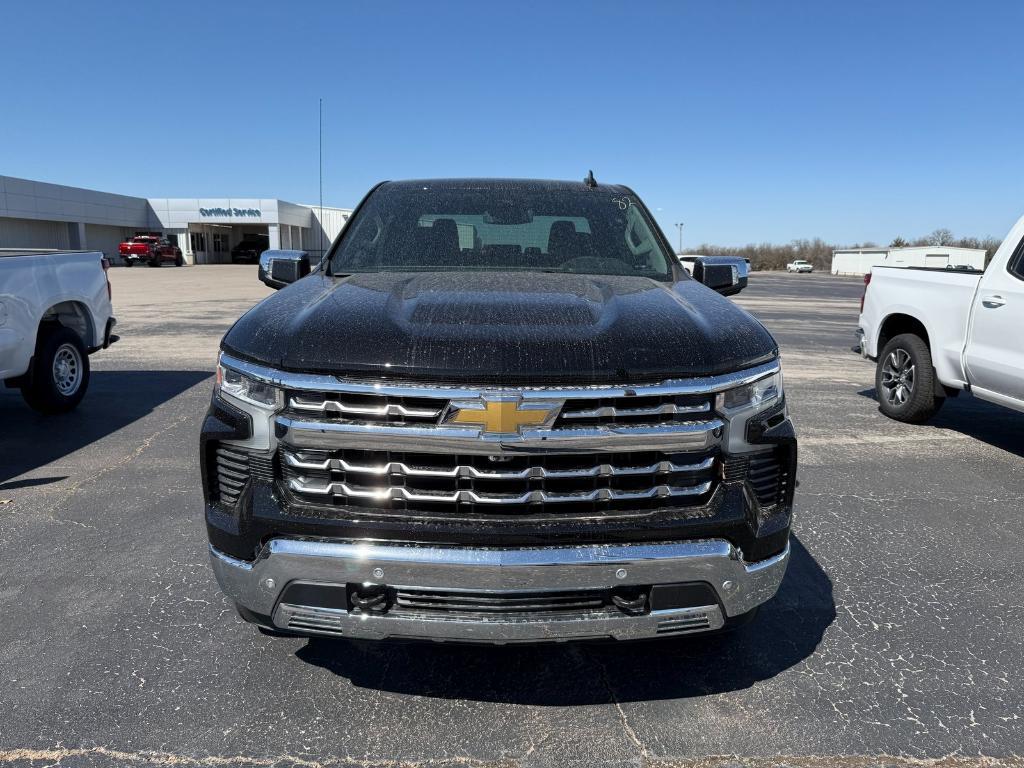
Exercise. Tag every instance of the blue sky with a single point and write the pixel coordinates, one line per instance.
(748, 121)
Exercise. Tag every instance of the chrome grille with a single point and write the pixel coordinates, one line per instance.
(634, 410)
(502, 485)
(355, 406)
(577, 410)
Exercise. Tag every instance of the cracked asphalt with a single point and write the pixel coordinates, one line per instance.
(896, 638)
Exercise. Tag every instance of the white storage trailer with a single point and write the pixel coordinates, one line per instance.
(859, 261)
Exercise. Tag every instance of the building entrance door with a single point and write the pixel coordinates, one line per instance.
(198, 246)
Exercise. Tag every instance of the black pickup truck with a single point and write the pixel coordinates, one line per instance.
(498, 411)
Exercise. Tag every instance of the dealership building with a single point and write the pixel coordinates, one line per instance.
(35, 214)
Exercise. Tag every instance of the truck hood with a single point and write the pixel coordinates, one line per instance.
(509, 328)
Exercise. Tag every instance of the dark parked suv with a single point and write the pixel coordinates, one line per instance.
(498, 411)
(249, 248)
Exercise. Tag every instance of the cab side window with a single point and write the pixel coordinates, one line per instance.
(1017, 262)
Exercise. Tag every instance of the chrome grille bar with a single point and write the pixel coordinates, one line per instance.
(323, 405)
(674, 437)
(612, 412)
(529, 473)
(340, 489)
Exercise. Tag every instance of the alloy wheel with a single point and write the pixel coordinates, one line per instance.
(898, 377)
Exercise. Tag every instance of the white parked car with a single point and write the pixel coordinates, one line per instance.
(937, 332)
(799, 266)
(55, 311)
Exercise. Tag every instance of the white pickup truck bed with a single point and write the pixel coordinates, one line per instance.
(52, 304)
(940, 299)
(970, 327)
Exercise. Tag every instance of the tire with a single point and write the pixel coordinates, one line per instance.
(129, 262)
(905, 380)
(179, 261)
(60, 372)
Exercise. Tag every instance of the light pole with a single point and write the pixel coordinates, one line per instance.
(679, 226)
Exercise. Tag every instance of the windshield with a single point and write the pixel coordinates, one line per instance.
(501, 227)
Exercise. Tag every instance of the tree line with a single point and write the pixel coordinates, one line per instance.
(819, 253)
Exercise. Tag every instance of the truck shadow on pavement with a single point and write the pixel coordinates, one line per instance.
(29, 440)
(990, 423)
(787, 630)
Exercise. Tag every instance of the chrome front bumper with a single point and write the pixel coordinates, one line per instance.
(258, 585)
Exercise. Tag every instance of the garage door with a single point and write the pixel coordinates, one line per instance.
(29, 233)
(101, 237)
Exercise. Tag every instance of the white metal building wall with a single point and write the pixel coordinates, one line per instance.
(334, 220)
(102, 237)
(857, 262)
(33, 233)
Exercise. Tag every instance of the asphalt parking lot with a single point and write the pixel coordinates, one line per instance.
(896, 636)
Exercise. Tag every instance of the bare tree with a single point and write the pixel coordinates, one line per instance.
(941, 237)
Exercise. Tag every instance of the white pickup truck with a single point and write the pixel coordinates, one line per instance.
(799, 266)
(936, 332)
(54, 312)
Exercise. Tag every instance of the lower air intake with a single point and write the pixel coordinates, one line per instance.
(681, 626)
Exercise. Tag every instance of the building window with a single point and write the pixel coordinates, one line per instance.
(198, 240)
(220, 242)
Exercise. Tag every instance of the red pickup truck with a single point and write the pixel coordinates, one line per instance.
(151, 249)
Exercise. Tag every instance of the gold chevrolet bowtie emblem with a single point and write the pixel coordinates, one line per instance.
(501, 415)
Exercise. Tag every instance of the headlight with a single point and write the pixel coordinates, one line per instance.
(236, 384)
(757, 395)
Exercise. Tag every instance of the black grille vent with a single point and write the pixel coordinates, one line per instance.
(231, 472)
(506, 603)
(769, 478)
(261, 466)
(735, 469)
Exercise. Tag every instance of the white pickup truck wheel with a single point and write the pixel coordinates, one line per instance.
(905, 380)
(60, 372)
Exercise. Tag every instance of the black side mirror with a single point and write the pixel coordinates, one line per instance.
(726, 274)
(279, 268)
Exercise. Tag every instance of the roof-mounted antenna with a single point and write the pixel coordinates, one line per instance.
(590, 181)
